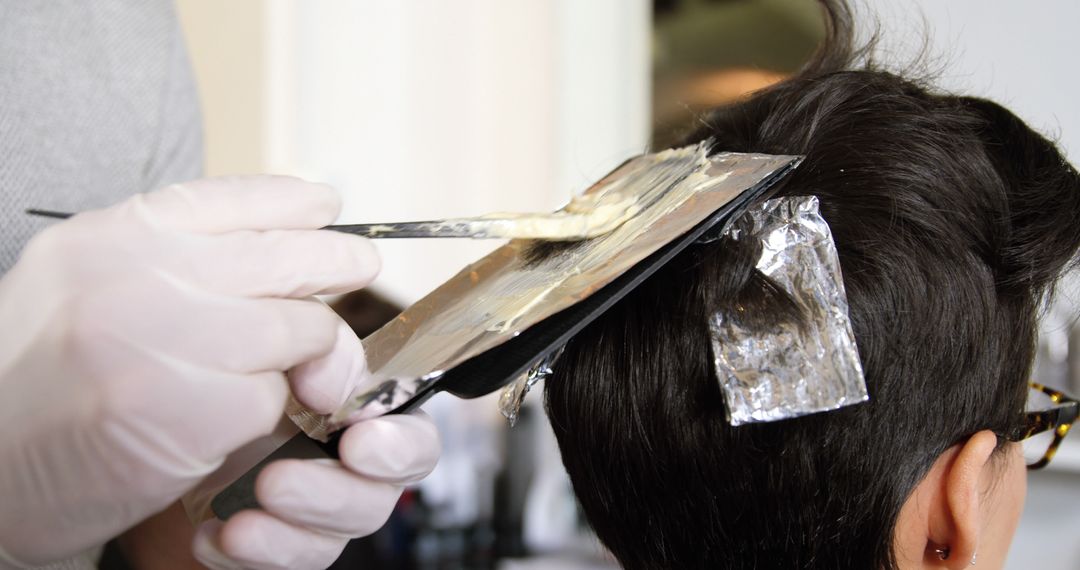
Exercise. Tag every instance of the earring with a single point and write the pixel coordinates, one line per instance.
(973, 558)
(942, 552)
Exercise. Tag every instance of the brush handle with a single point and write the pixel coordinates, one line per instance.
(464, 228)
(48, 214)
(432, 229)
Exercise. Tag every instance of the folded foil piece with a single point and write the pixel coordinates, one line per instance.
(790, 370)
(513, 396)
(524, 282)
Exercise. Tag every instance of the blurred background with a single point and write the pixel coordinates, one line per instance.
(420, 109)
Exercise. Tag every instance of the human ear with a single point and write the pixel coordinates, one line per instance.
(955, 522)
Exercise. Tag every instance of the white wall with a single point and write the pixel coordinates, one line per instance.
(1020, 54)
(421, 109)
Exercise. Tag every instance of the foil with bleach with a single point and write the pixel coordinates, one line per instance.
(508, 291)
(790, 369)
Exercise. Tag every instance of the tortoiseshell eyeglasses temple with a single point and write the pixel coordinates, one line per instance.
(1058, 418)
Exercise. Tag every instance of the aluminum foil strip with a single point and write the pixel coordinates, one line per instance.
(506, 292)
(790, 370)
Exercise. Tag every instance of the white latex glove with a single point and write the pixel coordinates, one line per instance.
(312, 508)
(142, 343)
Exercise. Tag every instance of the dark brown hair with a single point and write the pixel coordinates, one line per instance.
(952, 220)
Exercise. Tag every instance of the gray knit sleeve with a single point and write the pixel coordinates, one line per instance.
(178, 155)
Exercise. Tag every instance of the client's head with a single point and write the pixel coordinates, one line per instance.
(952, 220)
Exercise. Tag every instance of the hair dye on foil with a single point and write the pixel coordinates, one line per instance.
(792, 369)
(513, 288)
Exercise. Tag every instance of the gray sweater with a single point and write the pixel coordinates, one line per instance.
(97, 102)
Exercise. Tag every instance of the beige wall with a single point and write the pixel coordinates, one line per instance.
(226, 42)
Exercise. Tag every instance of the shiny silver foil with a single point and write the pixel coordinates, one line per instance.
(790, 370)
(511, 289)
(513, 396)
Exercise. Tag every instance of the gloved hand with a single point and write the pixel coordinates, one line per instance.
(144, 342)
(312, 508)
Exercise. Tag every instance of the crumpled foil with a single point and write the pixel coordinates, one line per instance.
(510, 290)
(513, 396)
(790, 370)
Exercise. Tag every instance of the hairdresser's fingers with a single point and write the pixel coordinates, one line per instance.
(175, 419)
(280, 334)
(323, 384)
(323, 495)
(277, 263)
(197, 501)
(397, 449)
(218, 413)
(217, 205)
(231, 334)
(255, 539)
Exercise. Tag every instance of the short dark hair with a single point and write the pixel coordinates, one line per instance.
(952, 220)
